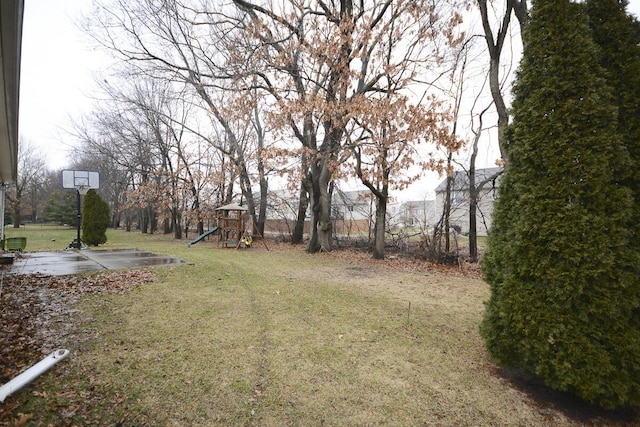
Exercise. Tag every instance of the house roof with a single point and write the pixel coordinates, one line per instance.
(11, 13)
(418, 204)
(355, 197)
(461, 179)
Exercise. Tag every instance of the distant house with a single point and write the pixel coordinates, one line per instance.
(418, 213)
(460, 198)
(282, 212)
(351, 211)
(282, 204)
(345, 205)
(352, 205)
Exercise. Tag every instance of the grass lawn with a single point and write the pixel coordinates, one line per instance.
(279, 337)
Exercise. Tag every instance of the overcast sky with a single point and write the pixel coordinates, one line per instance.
(57, 74)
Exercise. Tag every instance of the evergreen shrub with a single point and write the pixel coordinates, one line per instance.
(565, 296)
(95, 219)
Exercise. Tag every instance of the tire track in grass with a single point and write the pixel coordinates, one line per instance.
(263, 368)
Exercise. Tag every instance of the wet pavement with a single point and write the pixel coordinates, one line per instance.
(74, 262)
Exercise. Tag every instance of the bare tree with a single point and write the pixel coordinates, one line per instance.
(142, 131)
(474, 186)
(114, 181)
(314, 72)
(495, 45)
(327, 64)
(31, 170)
(182, 43)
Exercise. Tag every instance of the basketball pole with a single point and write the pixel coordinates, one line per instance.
(78, 241)
(82, 190)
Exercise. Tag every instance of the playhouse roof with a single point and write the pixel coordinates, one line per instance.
(231, 207)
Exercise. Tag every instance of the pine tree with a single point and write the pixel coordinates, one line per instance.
(564, 298)
(95, 219)
(618, 35)
(62, 208)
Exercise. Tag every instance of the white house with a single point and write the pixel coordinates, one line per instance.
(488, 179)
(352, 205)
(419, 213)
(352, 212)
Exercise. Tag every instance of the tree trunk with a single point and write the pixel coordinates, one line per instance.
(177, 228)
(16, 216)
(447, 205)
(247, 192)
(334, 128)
(153, 219)
(473, 232)
(474, 191)
(115, 219)
(303, 203)
(200, 222)
(380, 227)
(262, 212)
(314, 240)
(503, 114)
(144, 221)
(494, 46)
(324, 227)
(262, 175)
(228, 196)
(522, 13)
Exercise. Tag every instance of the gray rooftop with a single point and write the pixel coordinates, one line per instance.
(461, 179)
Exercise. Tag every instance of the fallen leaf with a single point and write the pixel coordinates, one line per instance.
(22, 419)
(34, 321)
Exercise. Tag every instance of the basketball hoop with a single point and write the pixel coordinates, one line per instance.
(82, 182)
(82, 189)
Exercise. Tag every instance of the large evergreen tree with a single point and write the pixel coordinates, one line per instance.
(62, 207)
(618, 35)
(565, 302)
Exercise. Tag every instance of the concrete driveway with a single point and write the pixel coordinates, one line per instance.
(73, 262)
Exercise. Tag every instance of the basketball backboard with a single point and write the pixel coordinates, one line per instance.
(80, 179)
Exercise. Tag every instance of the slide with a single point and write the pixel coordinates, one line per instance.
(202, 236)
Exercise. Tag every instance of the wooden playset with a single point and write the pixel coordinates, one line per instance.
(233, 222)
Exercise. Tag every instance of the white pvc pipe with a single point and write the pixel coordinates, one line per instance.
(32, 373)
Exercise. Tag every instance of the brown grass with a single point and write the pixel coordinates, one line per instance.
(280, 337)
